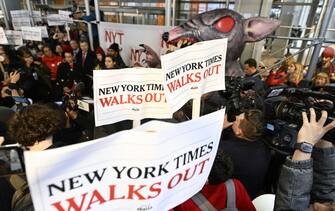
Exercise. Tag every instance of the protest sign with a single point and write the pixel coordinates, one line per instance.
(20, 18)
(59, 19)
(37, 17)
(44, 31)
(192, 71)
(133, 93)
(65, 15)
(151, 168)
(14, 37)
(54, 20)
(3, 38)
(31, 33)
(129, 37)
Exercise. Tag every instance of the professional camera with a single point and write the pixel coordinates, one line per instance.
(282, 112)
(234, 101)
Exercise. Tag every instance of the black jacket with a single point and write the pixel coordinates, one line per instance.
(88, 66)
(119, 62)
(67, 75)
(251, 161)
(259, 85)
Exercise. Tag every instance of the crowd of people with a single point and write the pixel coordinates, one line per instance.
(293, 73)
(35, 76)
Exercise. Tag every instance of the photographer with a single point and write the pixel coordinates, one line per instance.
(80, 125)
(249, 154)
(307, 179)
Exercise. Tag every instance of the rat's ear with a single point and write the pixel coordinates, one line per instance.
(257, 28)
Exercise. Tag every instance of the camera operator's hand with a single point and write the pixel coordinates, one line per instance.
(312, 131)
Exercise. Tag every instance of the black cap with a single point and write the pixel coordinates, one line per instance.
(115, 47)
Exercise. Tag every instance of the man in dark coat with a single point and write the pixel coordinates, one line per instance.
(86, 61)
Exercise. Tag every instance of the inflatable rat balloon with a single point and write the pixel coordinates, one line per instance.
(223, 23)
(152, 59)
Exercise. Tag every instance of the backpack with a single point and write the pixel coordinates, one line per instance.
(204, 205)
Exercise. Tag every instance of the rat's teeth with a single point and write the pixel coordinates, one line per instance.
(180, 43)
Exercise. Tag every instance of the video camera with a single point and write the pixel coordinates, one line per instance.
(234, 102)
(282, 112)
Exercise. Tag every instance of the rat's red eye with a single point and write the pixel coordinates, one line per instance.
(225, 24)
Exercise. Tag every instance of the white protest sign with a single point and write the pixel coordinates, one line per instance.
(55, 20)
(37, 17)
(154, 167)
(192, 71)
(31, 33)
(65, 15)
(133, 93)
(14, 37)
(59, 19)
(20, 18)
(3, 38)
(44, 31)
(129, 37)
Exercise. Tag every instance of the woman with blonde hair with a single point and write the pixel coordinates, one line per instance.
(295, 73)
(320, 80)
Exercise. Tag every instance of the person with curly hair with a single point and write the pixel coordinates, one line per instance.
(33, 126)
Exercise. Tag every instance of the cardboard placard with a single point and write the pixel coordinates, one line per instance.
(31, 33)
(195, 70)
(133, 93)
(154, 167)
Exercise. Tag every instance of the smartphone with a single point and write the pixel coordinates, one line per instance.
(11, 160)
